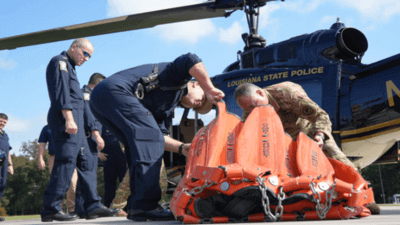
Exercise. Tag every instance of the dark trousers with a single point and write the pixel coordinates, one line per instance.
(114, 168)
(3, 177)
(71, 151)
(134, 126)
(79, 201)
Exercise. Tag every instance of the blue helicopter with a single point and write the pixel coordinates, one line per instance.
(363, 100)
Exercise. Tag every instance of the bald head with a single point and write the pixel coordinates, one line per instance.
(246, 89)
(248, 96)
(81, 42)
(80, 51)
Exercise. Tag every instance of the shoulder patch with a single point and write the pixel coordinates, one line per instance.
(86, 96)
(307, 110)
(63, 66)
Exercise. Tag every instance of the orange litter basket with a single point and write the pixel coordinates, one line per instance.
(252, 171)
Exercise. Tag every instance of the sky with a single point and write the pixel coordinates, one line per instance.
(23, 91)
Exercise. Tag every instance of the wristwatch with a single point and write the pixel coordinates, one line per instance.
(180, 149)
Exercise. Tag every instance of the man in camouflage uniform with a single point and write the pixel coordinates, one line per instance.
(296, 110)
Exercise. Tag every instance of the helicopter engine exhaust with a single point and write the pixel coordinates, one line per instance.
(351, 42)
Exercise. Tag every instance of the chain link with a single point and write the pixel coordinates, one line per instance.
(322, 211)
(279, 207)
(265, 200)
(198, 190)
(329, 197)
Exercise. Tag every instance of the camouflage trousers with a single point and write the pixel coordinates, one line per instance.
(124, 189)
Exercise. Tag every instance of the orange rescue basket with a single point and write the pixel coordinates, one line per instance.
(253, 171)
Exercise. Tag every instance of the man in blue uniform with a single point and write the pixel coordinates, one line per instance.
(114, 167)
(66, 122)
(44, 138)
(93, 136)
(92, 125)
(136, 105)
(5, 156)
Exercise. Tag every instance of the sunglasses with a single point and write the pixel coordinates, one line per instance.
(85, 53)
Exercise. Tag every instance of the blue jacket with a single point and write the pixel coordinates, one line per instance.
(65, 93)
(91, 123)
(5, 144)
(45, 137)
(109, 138)
(160, 103)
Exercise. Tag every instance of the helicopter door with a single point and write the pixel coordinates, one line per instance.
(314, 90)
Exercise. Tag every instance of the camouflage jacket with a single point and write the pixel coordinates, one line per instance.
(296, 110)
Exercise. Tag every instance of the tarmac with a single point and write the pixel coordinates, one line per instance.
(390, 215)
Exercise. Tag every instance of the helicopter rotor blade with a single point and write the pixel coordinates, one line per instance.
(117, 24)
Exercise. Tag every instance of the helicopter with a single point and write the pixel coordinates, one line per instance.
(361, 100)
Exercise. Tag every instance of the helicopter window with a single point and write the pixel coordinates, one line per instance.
(247, 60)
(266, 56)
(287, 51)
(233, 66)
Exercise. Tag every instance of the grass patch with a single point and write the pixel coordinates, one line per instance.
(27, 217)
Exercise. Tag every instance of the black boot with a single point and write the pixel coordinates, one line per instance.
(102, 212)
(59, 216)
(158, 214)
(80, 216)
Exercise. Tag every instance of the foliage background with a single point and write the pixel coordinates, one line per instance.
(24, 189)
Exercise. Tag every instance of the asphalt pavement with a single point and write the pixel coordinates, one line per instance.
(390, 215)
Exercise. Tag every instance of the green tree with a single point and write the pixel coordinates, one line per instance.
(390, 174)
(24, 190)
(30, 150)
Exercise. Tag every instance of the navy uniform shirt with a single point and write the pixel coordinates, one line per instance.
(5, 144)
(109, 139)
(160, 103)
(62, 82)
(65, 93)
(45, 137)
(91, 123)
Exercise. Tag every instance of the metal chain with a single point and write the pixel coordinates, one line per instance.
(265, 200)
(279, 207)
(329, 197)
(316, 200)
(198, 190)
(322, 211)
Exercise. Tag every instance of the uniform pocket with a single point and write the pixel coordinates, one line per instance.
(147, 134)
(82, 162)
